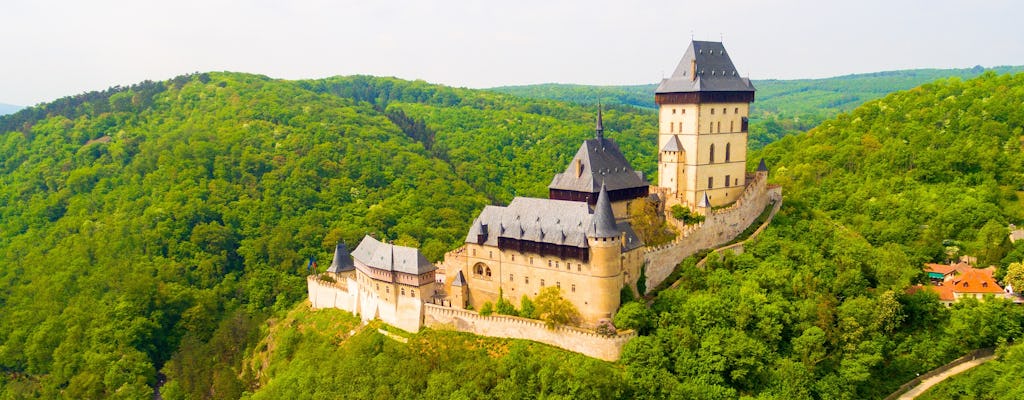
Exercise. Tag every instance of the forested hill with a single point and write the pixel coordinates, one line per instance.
(166, 220)
(816, 308)
(783, 107)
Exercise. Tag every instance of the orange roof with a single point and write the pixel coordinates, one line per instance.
(975, 281)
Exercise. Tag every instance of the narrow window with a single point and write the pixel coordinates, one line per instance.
(727, 148)
(672, 127)
(526, 279)
(531, 260)
(403, 291)
(490, 254)
(727, 181)
(574, 288)
(541, 283)
(513, 257)
(474, 252)
(732, 126)
(711, 154)
(737, 181)
(723, 110)
(579, 267)
(558, 285)
(549, 263)
(684, 111)
(673, 111)
(712, 111)
(711, 127)
(719, 127)
(736, 111)
(412, 293)
(711, 182)
(556, 264)
(511, 278)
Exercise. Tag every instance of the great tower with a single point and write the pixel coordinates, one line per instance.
(702, 119)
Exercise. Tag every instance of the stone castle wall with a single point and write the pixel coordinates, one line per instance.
(720, 227)
(582, 341)
(406, 313)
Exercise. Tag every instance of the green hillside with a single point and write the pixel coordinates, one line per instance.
(783, 107)
(166, 227)
(166, 220)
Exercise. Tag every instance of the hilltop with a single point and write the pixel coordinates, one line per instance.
(157, 228)
(9, 108)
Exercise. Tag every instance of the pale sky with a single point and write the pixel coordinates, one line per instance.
(55, 48)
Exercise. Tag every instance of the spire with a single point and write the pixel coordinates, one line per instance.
(342, 260)
(602, 223)
(762, 167)
(600, 124)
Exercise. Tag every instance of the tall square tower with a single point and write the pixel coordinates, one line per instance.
(702, 120)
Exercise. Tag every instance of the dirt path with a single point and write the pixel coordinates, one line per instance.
(928, 383)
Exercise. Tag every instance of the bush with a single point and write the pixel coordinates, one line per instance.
(554, 309)
(527, 309)
(683, 213)
(487, 309)
(505, 307)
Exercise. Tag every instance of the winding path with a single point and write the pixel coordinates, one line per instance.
(932, 381)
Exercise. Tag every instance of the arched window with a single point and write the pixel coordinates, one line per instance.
(482, 271)
(711, 155)
(727, 146)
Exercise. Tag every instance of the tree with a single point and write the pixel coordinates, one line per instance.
(634, 315)
(648, 224)
(554, 309)
(1015, 276)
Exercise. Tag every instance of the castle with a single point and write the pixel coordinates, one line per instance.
(579, 239)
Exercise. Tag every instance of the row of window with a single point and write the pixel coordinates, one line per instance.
(387, 288)
(557, 264)
(735, 110)
(526, 280)
(728, 151)
(713, 127)
(728, 182)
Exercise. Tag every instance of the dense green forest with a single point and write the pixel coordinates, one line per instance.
(783, 107)
(165, 227)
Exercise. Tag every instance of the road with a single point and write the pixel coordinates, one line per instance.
(928, 383)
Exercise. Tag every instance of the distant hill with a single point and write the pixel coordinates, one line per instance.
(782, 107)
(9, 108)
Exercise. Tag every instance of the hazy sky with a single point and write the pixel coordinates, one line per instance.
(54, 48)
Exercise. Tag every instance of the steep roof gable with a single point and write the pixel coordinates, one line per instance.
(705, 67)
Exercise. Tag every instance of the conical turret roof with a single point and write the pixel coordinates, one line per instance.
(705, 201)
(342, 260)
(602, 223)
(762, 167)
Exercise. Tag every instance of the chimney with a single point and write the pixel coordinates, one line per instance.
(693, 69)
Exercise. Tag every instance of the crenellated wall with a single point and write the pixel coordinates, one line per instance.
(582, 341)
(718, 228)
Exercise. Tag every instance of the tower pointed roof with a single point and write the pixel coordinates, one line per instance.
(673, 144)
(602, 224)
(761, 166)
(342, 260)
(460, 280)
(705, 201)
(599, 129)
(705, 67)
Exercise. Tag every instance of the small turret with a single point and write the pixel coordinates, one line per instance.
(602, 224)
(761, 166)
(704, 205)
(342, 261)
(459, 292)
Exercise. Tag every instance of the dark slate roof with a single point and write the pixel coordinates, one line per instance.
(390, 257)
(601, 162)
(632, 241)
(715, 72)
(342, 260)
(460, 280)
(673, 145)
(762, 167)
(559, 222)
(602, 223)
